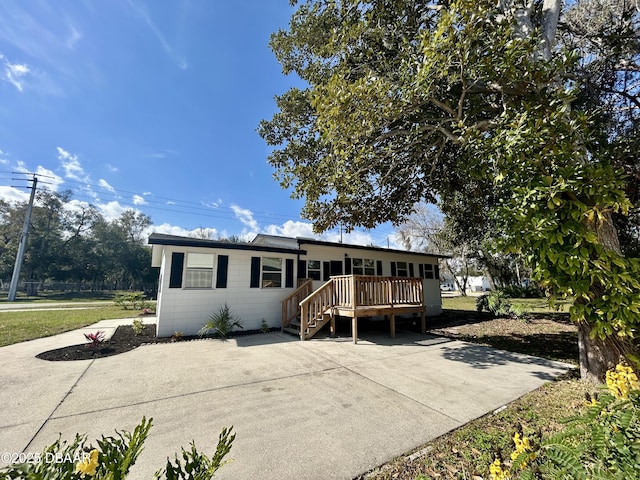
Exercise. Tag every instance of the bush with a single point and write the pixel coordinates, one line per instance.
(137, 326)
(113, 457)
(221, 323)
(532, 291)
(601, 443)
(135, 300)
(497, 304)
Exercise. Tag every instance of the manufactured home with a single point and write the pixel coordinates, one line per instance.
(296, 284)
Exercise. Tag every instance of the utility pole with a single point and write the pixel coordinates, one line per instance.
(23, 242)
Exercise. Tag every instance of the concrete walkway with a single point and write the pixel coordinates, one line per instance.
(320, 409)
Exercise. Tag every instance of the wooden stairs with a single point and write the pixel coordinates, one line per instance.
(305, 312)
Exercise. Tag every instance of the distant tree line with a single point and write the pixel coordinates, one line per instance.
(73, 242)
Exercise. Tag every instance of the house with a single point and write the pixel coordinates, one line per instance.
(476, 283)
(269, 278)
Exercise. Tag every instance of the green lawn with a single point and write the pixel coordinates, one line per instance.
(536, 305)
(21, 326)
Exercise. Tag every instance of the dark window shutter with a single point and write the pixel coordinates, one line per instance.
(326, 271)
(411, 271)
(177, 263)
(255, 272)
(379, 267)
(421, 270)
(436, 269)
(302, 269)
(393, 269)
(288, 277)
(347, 266)
(223, 268)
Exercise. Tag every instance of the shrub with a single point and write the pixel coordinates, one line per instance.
(221, 323)
(135, 300)
(137, 326)
(264, 326)
(113, 457)
(602, 442)
(514, 291)
(95, 339)
(497, 304)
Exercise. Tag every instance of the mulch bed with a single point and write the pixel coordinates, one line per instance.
(123, 340)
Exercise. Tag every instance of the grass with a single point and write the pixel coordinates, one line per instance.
(467, 452)
(21, 326)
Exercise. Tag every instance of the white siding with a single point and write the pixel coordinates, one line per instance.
(187, 310)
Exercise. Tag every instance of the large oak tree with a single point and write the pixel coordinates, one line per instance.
(412, 101)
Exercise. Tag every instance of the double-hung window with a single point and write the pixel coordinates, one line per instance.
(199, 271)
(314, 269)
(402, 269)
(363, 266)
(271, 272)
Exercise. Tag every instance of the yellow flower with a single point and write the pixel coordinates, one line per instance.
(522, 445)
(621, 381)
(89, 464)
(496, 471)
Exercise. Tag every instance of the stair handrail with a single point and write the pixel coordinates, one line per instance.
(315, 305)
(291, 304)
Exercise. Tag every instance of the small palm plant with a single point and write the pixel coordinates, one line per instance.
(221, 323)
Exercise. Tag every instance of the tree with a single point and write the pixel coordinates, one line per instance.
(408, 101)
(427, 231)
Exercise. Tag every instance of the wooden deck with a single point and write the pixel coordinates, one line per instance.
(358, 296)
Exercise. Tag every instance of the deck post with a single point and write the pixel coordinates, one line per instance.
(423, 321)
(332, 326)
(354, 329)
(392, 322)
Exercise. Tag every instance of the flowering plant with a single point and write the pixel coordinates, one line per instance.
(602, 442)
(95, 339)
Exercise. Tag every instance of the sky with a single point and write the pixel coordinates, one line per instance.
(150, 105)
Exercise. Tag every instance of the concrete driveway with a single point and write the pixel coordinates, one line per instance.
(301, 410)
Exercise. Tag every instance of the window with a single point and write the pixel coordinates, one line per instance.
(271, 272)
(199, 270)
(364, 266)
(402, 270)
(428, 270)
(314, 269)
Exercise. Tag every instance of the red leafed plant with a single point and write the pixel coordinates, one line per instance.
(95, 339)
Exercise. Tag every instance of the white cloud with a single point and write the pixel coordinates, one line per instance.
(138, 200)
(71, 165)
(51, 180)
(291, 229)
(104, 184)
(246, 217)
(11, 194)
(15, 72)
(111, 210)
(111, 168)
(179, 60)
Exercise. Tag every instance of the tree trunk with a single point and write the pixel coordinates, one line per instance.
(597, 356)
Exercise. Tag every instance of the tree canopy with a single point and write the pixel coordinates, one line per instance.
(480, 106)
(71, 242)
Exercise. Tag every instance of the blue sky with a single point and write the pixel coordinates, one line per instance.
(151, 105)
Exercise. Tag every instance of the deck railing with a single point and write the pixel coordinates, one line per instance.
(313, 307)
(363, 290)
(291, 304)
(352, 291)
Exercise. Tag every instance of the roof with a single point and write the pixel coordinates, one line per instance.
(164, 239)
(275, 240)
